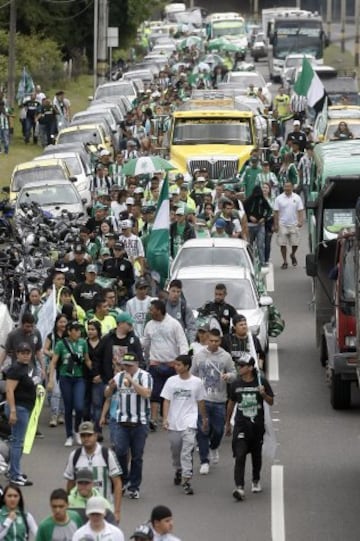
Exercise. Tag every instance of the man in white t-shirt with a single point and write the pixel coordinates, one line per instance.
(133, 245)
(138, 307)
(97, 527)
(288, 219)
(184, 397)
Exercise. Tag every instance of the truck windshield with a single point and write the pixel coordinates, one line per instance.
(298, 37)
(212, 131)
(229, 28)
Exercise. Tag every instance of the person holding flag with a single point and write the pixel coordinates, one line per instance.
(308, 84)
(158, 250)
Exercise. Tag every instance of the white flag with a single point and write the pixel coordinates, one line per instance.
(47, 315)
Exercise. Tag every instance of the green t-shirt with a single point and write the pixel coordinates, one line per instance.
(179, 237)
(80, 347)
(49, 530)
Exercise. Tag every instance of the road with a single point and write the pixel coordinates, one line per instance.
(311, 491)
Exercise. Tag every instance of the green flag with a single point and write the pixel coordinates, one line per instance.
(158, 252)
(26, 86)
(308, 84)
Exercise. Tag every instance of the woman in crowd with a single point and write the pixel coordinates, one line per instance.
(269, 222)
(94, 394)
(16, 524)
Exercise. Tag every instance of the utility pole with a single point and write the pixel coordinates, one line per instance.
(12, 55)
(329, 18)
(256, 10)
(96, 31)
(357, 33)
(102, 42)
(343, 17)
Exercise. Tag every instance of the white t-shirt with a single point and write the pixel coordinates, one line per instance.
(133, 246)
(101, 472)
(288, 207)
(139, 310)
(184, 395)
(109, 533)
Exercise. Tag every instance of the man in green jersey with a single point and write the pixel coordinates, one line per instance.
(62, 523)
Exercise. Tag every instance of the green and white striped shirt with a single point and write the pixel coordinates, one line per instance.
(133, 408)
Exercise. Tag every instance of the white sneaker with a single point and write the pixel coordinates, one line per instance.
(77, 438)
(256, 487)
(204, 468)
(68, 442)
(239, 493)
(214, 456)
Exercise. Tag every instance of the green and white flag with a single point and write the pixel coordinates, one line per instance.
(309, 84)
(158, 251)
(26, 86)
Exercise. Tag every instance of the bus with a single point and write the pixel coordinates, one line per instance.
(300, 32)
(227, 25)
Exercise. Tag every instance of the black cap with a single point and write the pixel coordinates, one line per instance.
(119, 246)
(141, 282)
(23, 346)
(143, 531)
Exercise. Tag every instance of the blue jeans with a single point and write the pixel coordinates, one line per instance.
(73, 393)
(5, 139)
(18, 431)
(257, 236)
(216, 424)
(130, 438)
(97, 401)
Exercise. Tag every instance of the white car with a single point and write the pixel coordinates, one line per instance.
(116, 89)
(78, 168)
(292, 62)
(198, 285)
(214, 251)
(246, 78)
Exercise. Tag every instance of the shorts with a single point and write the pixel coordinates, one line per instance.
(288, 235)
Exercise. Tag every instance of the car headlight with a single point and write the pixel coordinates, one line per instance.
(350, 341)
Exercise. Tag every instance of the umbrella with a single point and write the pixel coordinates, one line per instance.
(217, 44)
(202, 66)
(190, 42)
(231, 48)
(146, 165)
(213, 59)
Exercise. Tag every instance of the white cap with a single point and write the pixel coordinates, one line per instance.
(130, 201)
(200, 179)
(96, 504)
(139, 189)
(126, 224)
(180, 211)
(296, 123)
(104, 152)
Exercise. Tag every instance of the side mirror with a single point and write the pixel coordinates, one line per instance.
(90, 98)
(311, 205)
(265, 300)
(311, 265)
(73, 179)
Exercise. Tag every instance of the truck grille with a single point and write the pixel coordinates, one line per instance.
(223, 169)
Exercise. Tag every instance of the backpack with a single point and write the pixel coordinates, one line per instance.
(104, 452)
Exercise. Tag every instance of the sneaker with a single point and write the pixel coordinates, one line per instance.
(188, 489)
(153, 425)
(53, 421)
(177, 478)
(61, 419)
(77, 438)
(134, 494)
(204, 468)
(239, 493)
(39, 435)
(214, 456)
(125, 488)
(68, 442)
(256, 487)
(21, 482)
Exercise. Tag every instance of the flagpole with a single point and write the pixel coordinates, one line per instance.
(12, 54)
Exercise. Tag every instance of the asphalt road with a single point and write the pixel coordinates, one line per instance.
(317, 457)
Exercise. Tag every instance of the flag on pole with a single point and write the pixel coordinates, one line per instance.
(158, 252)
(47, 315)
(309, 84)
(25, 87)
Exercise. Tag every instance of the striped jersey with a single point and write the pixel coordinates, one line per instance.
(132, 408)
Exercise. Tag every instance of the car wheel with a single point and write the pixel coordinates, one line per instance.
(340, 392)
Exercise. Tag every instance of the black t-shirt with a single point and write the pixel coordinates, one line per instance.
(235, 345)
(84, 295)
(77, 271)
(248, 401)
(219, 310)
(25, 392)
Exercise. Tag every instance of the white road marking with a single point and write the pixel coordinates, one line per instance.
(277, 503)
(269, 278)
(273, 362)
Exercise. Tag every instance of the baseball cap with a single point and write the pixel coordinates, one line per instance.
(105, 251)
(79, 249)
(220, 223)
(130, 201)
(104, 152)
(203, 326)
(254, 159)
(274, 146)
(96, 504)
(237, 318)
(119, 246)
(91, 268)
(141, 282)
(229, 188)
(84, 474)
(148, 209)
(139, 189)
(99, 166)
(126, 224)
(61, 267)
(129, 359)
(87, 427)
(124, 317)
(180, 211)
(296, 123)
(23, 346)
(143, 532)
(179, 176)
(200, 179)
(246, 359)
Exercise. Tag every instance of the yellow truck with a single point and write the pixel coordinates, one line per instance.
(214, 134)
